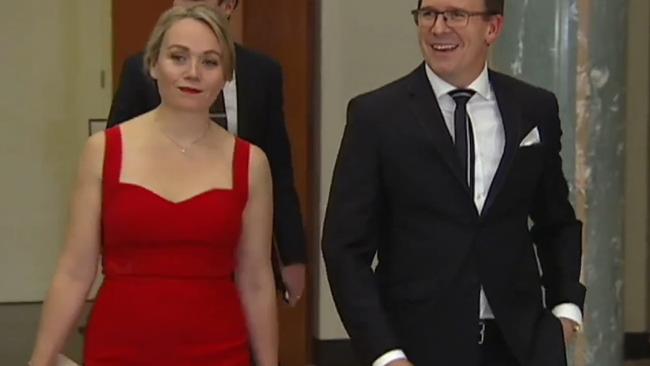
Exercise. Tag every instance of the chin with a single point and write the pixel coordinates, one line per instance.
(441, 70)
(191, 108)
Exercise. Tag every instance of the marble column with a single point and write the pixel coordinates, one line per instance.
(577, 49)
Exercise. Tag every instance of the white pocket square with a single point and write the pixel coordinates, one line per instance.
(531, 139)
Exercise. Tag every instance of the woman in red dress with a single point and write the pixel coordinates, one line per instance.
(180, 212)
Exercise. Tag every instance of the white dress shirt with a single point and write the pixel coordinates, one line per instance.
(230, 102)
(489, 142)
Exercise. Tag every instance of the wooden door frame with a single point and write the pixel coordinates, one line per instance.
(286, 30)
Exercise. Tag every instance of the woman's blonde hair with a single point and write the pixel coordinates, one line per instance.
(208, 16)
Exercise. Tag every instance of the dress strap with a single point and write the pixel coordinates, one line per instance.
(112, 157)
(241, 162)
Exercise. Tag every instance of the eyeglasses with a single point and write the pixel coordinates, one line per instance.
(453, 18)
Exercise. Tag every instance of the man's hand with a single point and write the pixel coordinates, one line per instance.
(400, 363)
(293, 276)
(570, 329)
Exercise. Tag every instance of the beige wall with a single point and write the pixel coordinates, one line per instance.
(52, 55)
(364, 44)
(636, 170)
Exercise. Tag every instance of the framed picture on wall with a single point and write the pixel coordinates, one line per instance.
(96, 125)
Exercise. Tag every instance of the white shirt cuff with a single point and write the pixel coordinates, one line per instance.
(390, 356)
(568, 311)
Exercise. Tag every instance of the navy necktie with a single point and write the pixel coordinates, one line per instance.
(464, 135)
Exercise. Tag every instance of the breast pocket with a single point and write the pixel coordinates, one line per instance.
(529, 160)
(525, 172)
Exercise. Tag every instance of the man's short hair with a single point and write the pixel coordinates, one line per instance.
(492, 6)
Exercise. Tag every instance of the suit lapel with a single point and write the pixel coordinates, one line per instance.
(244, 85)
(511, 115)
(426, 108)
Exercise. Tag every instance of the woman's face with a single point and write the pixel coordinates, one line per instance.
(188, 70)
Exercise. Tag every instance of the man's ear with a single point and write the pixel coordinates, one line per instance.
(495, 27)
(228, 7)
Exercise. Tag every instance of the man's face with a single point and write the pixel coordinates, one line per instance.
(225, 6)
(457, 53)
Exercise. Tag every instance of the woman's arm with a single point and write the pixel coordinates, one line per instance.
(254, 272)
(77, 267)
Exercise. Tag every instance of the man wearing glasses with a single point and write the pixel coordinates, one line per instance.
(439, 173)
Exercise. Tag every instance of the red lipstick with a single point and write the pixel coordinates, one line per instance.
(189, 90)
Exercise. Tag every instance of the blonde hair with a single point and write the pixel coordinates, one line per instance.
(208, 16)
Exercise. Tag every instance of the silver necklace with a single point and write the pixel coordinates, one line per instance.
(182, 148)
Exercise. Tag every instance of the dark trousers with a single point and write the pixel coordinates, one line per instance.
(493, 348)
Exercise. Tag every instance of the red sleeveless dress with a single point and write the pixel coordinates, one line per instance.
(168, 296)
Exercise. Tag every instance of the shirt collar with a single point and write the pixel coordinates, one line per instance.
(481, 85)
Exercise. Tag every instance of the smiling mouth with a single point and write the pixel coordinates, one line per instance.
(444, 47)
(188, 90)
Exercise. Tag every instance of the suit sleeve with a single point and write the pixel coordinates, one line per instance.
(350, 234)
(556, 231)
(287, 223)
(130, 98)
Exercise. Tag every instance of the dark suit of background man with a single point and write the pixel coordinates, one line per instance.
(438, 174)
(251, 107)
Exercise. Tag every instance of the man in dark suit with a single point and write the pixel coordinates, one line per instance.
(438, 175)
(251, 106)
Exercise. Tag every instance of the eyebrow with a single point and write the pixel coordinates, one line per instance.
(452, 8)
(186, 49)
